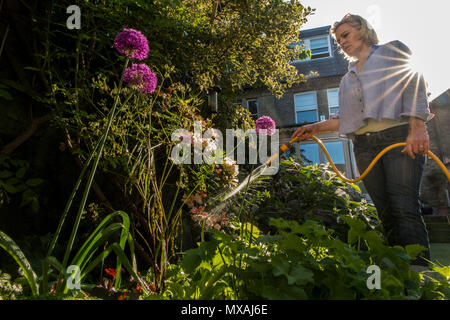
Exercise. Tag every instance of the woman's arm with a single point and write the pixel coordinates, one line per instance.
(305, 132)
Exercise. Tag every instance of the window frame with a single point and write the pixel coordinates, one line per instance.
(307, 43)
(328, 101)
(311, 109)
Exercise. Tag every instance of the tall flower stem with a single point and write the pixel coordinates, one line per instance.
(92, 174)
(245, 193)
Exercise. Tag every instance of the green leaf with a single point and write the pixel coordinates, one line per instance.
(21, 172)
(34, 182)
(280, 266)
(300, 275)
(389, 281)
(13, 250)
(413, 250)
(10, 188)
(355, 186)
(4, 174)
(27, 197)
(375, 242)
(190, 261)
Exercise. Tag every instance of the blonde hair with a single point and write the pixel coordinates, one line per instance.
(366, 31)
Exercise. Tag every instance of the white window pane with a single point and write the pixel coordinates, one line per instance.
(310, 153)
(336, 151)
(305, 101)
(319, 48)
(333, 97)
(319, 43)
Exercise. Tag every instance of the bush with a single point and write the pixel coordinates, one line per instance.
(300, 256)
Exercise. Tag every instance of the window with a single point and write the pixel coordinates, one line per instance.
(310, 153)
(333, 101)
(336, 151)
(306, 107)
(252, 107)
(313, 154)
(320, 47)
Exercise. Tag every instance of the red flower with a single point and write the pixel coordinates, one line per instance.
(112, 272)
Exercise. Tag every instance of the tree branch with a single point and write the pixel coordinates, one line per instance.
(32, 128)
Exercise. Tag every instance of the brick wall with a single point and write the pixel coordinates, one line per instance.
(282, 110)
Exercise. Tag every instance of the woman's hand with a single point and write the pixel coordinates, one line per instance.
(418, 141)
(305, 132)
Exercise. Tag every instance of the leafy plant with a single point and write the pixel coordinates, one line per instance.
(298, 262)
(13, 180)
(302, 256)
(83, 258)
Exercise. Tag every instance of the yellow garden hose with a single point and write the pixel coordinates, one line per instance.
(285, 147)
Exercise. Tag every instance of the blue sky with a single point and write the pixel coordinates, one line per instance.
(422, 25)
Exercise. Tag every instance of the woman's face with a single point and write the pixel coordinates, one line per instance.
(349, 39)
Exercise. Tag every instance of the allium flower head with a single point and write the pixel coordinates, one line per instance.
(132, 43)
(139, 76)
(265, 122)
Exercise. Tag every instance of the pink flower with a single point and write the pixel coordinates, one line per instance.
(199, 210)
(132, 43)
(265, 122)
(139, 76)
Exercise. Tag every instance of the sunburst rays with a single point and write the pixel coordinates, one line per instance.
(401, 73)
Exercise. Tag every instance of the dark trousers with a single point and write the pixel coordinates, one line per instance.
(394, 186)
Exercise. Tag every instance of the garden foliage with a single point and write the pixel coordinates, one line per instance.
(86, 179)
(304, 256)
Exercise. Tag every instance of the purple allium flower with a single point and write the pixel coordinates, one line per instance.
(265, 122)
(132, 43)
(139, 76)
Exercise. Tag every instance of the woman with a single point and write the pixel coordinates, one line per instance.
(382, 102)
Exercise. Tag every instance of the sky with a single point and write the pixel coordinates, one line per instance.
(424, 26)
